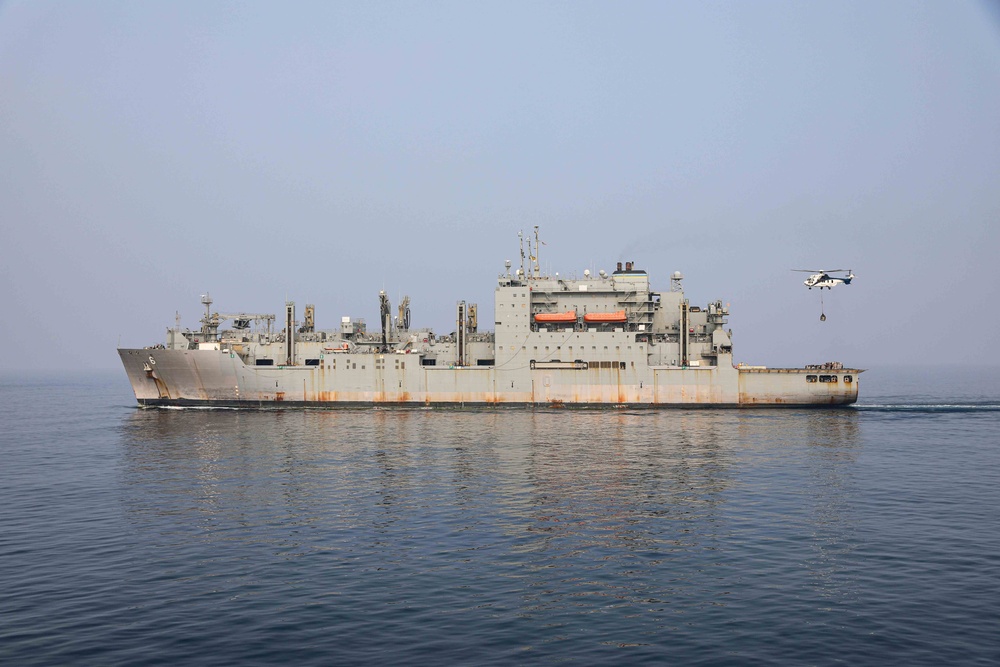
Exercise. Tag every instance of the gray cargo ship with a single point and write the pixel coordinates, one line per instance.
(597, 341)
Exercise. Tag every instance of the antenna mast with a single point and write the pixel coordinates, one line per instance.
(536, 273)
(520, 239)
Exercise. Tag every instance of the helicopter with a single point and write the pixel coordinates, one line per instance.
(821, 278)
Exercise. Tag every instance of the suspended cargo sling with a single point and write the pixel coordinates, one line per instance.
(617, 316)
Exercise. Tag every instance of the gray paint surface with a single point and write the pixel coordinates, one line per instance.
(605, 340)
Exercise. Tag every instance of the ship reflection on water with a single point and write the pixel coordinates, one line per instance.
(534, 517)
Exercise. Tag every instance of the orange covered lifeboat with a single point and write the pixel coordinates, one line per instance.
(617, 316)
(568, 316)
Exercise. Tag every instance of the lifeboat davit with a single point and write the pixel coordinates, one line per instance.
(568, 316)
(617, 316)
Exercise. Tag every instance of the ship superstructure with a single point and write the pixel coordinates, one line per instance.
(599, 340)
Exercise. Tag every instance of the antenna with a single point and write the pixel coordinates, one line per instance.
(520, 238)
(535, 257)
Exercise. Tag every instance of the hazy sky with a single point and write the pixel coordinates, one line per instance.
(320, 152)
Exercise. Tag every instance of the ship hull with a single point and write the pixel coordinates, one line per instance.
(220, 378)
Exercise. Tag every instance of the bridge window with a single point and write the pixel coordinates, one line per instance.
(312, 362)
(810, 378)
(827, 378)
(848, 379)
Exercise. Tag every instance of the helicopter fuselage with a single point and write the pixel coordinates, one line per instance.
(822, 280)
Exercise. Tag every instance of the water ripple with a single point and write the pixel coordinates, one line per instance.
(482, 537)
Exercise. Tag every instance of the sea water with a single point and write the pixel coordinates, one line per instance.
(866, 535)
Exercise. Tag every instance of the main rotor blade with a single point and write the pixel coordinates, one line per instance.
(822, 270)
